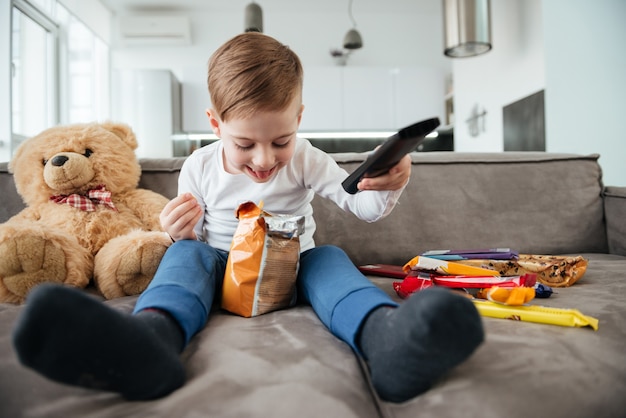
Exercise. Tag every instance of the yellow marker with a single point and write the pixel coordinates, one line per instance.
(539, 314)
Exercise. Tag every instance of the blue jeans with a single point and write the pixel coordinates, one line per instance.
(191, 274)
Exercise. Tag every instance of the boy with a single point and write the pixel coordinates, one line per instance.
(255, 84)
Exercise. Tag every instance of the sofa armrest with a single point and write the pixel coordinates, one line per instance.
(615, 213)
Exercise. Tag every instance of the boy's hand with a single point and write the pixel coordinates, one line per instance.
(180, 215)
(395, 179)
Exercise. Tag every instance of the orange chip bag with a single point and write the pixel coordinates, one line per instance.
(263, 262)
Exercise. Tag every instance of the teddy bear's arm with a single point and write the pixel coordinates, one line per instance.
(29, 214)
(147, 206)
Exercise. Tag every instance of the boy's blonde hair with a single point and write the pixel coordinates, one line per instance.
(253, 72)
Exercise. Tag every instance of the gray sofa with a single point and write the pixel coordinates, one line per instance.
(286, 364)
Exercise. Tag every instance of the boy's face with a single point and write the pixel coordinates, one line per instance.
(260, 145)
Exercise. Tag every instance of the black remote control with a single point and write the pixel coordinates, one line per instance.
(390, 152)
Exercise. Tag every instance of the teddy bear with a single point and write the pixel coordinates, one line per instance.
(85, 217)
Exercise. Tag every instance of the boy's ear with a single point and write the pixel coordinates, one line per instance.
(214, 122)
(300, 114)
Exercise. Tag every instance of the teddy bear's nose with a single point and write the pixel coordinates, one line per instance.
(59, 160)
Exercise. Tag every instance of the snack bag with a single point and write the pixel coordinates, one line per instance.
(434, 265)
(551, 270)
(263, 262)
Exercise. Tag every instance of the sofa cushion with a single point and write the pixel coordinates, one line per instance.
(462, 187)
(161, 175)
(287, 364)
(158, 174)
(478, 200)
(615, 210)
(526, 369)
(269, 365)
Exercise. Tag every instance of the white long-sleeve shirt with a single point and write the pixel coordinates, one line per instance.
(310, 171)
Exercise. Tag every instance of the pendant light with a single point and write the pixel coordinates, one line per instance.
(353, 39)
(253, 18)
(467, 27)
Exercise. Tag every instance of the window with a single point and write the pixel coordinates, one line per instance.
(33, 67)
(59, 69)
(85, 71)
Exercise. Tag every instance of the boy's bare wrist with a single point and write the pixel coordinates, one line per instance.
(192, 237)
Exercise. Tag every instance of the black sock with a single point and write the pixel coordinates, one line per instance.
(70, 337)
(408, 348)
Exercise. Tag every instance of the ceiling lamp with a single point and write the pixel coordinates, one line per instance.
(253, 20)
(467, 27)
(352, 40)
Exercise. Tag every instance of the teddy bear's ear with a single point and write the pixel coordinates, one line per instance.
(16, 155)
(123, 131)
(21, 149)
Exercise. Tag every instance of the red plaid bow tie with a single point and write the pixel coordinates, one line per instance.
(96, 196)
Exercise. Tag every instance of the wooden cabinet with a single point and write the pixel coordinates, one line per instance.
(368, 102)
(346, 98)
(370, 98)
(419, 94)
(322, 95)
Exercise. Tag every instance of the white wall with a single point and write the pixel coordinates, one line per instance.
(570, 48)
(513, 69)
(390, 41)
(586, 81)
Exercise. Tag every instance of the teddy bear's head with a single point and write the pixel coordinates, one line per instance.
(72, 159)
